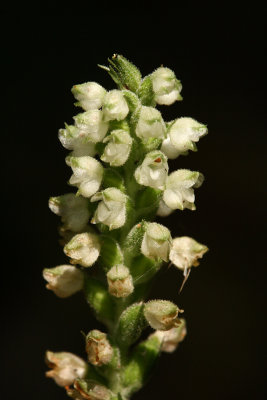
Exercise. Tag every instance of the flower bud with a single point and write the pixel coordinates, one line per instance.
(72, 209)
(153, 171)
(120, 281)
(64, 280)
(83, 249)
(118, 148)
(170, 339)
(161, 314)
(183, 134)
(88, 389)
(124, 73)
(156, 241)
(185, 252)
(150, 124)
(166, 86)
(98, 348)
(111, 211)
(66, 367)
(87, 175)
(74, 139)
(90, 95)
(92, 125)
(115, 106)
(179, 193)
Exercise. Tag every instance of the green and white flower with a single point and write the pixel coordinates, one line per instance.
(150, 124)
(92, 125)
(166, 86)
(98, 348)
(182, 136)
(115, 106)
(74, 139)
(156, 241)
(153, 171)
(83, 249)
(179, 191)
(161, 314)
(66, 367)
(87, 175)
(120, 281)
(90, 95)
(117, 150)
(185, 252)
(63, 280)
(111, 210)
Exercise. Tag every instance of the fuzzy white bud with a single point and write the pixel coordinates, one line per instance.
(115, 106)
(118, 148)
(98, 348)
(120, 281)
(153, 171)
(92, 125)
(156, 241)
(185, 252)
(90, 95)
(63, 280)
(161, 314)
(74, 139)
(166, 86)
(83, 249)
(150, 124)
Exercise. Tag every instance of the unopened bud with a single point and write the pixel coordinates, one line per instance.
(83, 249)
(66, 367)
(185, 252)
(161, 314)
(98, 348)
(63, 280)
(118, 148)
(156, 241)
(166, 86)
(90, 95)
(92, 125)
(115, 106)
(153, 171)
(150, 124)
(170, 339)
(120, 282)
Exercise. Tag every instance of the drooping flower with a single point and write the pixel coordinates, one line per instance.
(83, 249)
(90, 95)
(161, 314)
(111, 211)
(153, 171)
(98, 348)
(118, 148)
(115, 106)
(150, 124)
(166, 86)
(120, 281)
(156, 241)
(185, 252)
(179, 192)
(92, 125)
(63, 280)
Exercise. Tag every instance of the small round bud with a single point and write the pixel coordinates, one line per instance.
(120, 281)
(63, 280)
(156, 241)
(90, 95)
(115, 106)
(98, 348)
(170, 339)
(185, 252)
(83, 249)
(153, 171)
(119, 145)
(161, 314)
(150, 124)
(66, 367)
(166, 86)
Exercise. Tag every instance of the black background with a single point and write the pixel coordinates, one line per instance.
(218, 56)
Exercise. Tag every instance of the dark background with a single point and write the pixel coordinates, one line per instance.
(218, 56)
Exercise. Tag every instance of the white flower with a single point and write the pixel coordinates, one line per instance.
(87, 175)
(170, 339)
(83, 249)
(179, 193)
(72, 209)
(74, 139)
(66, 367)
(166, 86)
(120, 281)
(115, 106)
(150, 124)
(98, 348)
(90, 95)
(156, 241)
(64, 280)
(111, 211)
(163, 210)
(118, 148)
(185, 252)
(182, 135)
(92, 125)
(153, 171)
(161, 314)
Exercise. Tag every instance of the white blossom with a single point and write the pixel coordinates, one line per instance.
(166, 86)
(156, 241)
(115, 106)
(74, 139)
(179, 192)
(66, 367)
(153, 171)
(63, 280)
(182, 135)
(72, 209)
(111, 211)
(170, 339)
(98, 348)
(90, 95)
(83, 249)
(92, 125)
(161, 314)
(185, 252)
(118, 148)
(120, 281)
(87, 175)
(150, 124)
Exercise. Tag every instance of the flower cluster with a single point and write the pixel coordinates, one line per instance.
(119, 149)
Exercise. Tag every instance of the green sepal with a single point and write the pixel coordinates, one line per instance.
(124, 73)
(132, 242)
(146, 93)
(141, 364)
(151, 144)
(100, 300)
(143, 269)
(132, 100)
(112, 178)
(114, 124)
(131, 324)
(110, 253)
